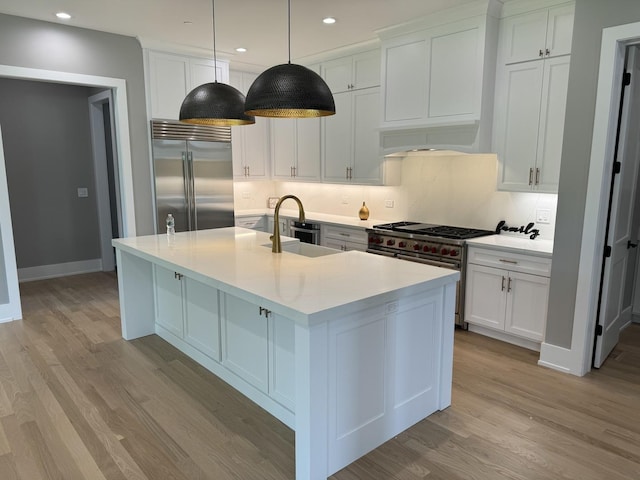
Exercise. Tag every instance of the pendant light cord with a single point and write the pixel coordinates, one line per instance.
(215, 59)
(289, 30)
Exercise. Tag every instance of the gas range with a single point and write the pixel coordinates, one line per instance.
(437, 245)
(423, 240)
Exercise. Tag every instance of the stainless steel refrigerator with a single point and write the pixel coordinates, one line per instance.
(193, 176)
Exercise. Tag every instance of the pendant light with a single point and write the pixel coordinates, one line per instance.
(289, 91)
(216, 104)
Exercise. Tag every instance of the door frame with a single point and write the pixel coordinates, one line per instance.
(120, 113)
(99, 149)
(577, 360)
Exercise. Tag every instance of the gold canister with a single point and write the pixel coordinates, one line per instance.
(364, 212)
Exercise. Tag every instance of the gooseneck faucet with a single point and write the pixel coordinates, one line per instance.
(277, 247)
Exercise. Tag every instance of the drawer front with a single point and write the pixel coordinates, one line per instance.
(510, 261)
(347, 234)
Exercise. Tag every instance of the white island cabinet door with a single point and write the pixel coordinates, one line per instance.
(245, 341)
(169, 314)
(202, 320)
(282, 375)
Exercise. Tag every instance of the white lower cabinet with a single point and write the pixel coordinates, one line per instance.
(258, 346)
(343, 238)
(188, 309)
(254, 222)
(508, 299)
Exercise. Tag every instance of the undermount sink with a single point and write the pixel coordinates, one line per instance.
(306, 249)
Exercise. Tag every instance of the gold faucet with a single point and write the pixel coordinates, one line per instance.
(277, 247)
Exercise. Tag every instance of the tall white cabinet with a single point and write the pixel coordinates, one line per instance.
(531, 95)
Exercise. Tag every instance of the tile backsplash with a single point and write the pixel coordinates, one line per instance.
(444, 189)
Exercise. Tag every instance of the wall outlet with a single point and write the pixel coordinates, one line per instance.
(388, 203)
(272, 201)
(83, 192)
(246, 195)
(345, 200)
(543, 215)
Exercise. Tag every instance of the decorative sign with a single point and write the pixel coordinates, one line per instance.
(528, 230)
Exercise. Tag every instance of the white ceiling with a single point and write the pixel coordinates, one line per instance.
(258, 25)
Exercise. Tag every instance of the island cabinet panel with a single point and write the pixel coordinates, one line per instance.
(282, 375)
(245, 341)
(382, 365)
(202, 321)
(168, 292)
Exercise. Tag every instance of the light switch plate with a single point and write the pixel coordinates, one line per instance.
(83, 192)
(388, 203)
(543, 215)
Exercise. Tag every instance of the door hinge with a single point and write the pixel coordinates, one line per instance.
(626, 79)
(616, 167)
(598, 330)
(607, 251)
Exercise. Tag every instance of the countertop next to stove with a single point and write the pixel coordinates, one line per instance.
(508, 243)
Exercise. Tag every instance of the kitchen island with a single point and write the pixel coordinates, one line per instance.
(346, 348)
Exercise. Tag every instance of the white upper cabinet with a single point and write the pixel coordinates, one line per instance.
(530, 100)
(353, 72)
(437, 79)
(170, 77)
(539, 34)
(295, 149)
(250, 144)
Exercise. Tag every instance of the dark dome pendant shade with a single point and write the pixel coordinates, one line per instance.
(289, 91)
(215, 104)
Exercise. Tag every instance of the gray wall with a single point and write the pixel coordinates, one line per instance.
(47, 147)
(590, 18)
(35, 44)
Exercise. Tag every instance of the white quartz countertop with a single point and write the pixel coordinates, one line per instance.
(307, 290)
(318, 217)
(514, 244)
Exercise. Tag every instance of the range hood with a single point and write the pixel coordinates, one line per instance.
(437, 80)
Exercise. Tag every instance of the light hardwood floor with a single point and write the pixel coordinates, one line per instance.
(78, 402)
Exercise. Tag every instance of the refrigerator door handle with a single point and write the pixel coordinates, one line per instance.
(192, 196)
(187, 186)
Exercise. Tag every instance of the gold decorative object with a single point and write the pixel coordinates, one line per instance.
(364, 212)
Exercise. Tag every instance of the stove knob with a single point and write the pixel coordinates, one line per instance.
(402, 244)
(379, 240)
(426, 249)
(454, 253)
(434, 250)
(391, 242)
(372, 239)
(417, 247)
(444, 251)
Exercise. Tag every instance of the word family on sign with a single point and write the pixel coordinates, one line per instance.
(528, 230)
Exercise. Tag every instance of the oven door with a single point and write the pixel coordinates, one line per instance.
(309, 233)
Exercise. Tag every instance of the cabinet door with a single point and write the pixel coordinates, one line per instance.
(404, 77)
(523, 36)
(168, 292)
(560, 30)
(204, 71)
(367, 158)
(455, 71)
(527, 305)
(485, 294)
(237, 132)
(552, 112)
(282, 387)
(366, 70)
(516, 129)
(283, 138)
(337, 140)
(337, 74)
(169, 84)
(257, 140)
(308, 149)
(202, 320)
(245, 341)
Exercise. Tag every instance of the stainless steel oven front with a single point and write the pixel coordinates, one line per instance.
(306, 232)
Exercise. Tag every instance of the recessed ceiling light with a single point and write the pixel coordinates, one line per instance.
(329, 20)
(241, 49)
(63, 16)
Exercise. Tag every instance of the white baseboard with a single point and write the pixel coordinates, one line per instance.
(505, 337)
(43, 272)
(556, 358)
